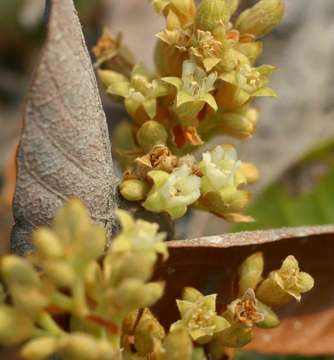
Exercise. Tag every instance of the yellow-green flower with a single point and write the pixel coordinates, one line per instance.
(221, 169)
(199, 317)
(193, 91)
(244, 310)
(206, 49)
(139, 91)
(284, 284)
(138, 235)
(175, 34)
(250, 81)
(174, 192)
(222, 175)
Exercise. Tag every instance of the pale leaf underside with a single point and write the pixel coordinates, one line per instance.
(65, 147)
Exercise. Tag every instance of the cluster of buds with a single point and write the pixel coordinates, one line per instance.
(107, 295)
(67, 275)
(205, 81)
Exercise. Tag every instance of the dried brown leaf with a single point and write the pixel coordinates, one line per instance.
(65, 147)
(210, 265)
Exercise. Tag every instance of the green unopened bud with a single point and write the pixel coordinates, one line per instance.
(148, 333)
(212, 14)
(124, 137)
(135, 265)
(233, 5)
(133, 294)
(28, 299)
(241, 124)
(250, 272)
(83, 346)
(236, 336)
(134, 189)
(39, 349)
(18, 271)
(47, 243)
(270, 319)
(151, 133)
(261, 18)
(60, 272)
(15, 326)
(177, 345)
(109, 77)
(168, 59)
(216, 348)
(251, 172)
(284, 284)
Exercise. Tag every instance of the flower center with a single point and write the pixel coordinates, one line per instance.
(201, 319)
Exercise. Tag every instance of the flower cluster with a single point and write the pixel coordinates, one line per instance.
(106, 297)
(205, 81)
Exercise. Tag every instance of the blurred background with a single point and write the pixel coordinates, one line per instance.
(293, 146)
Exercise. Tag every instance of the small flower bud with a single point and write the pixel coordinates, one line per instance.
(233, 5)
(134, 189)
(251, 172)
(138, 235)
(261, 18)
(15, 326)
(216, 348)
(148, 332)
(28, 299)
(177, 345)
(212, 14)
(39, 349)
(109, 77)
(60, 272)
(168, 59)
(136, 265)
(83, 346)
(270, 319)
(284, 284)
(47, 243)
(133, 294)
(250, 272)
(236, 336)
(18, 271)
(151, 133)
(241, 123)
